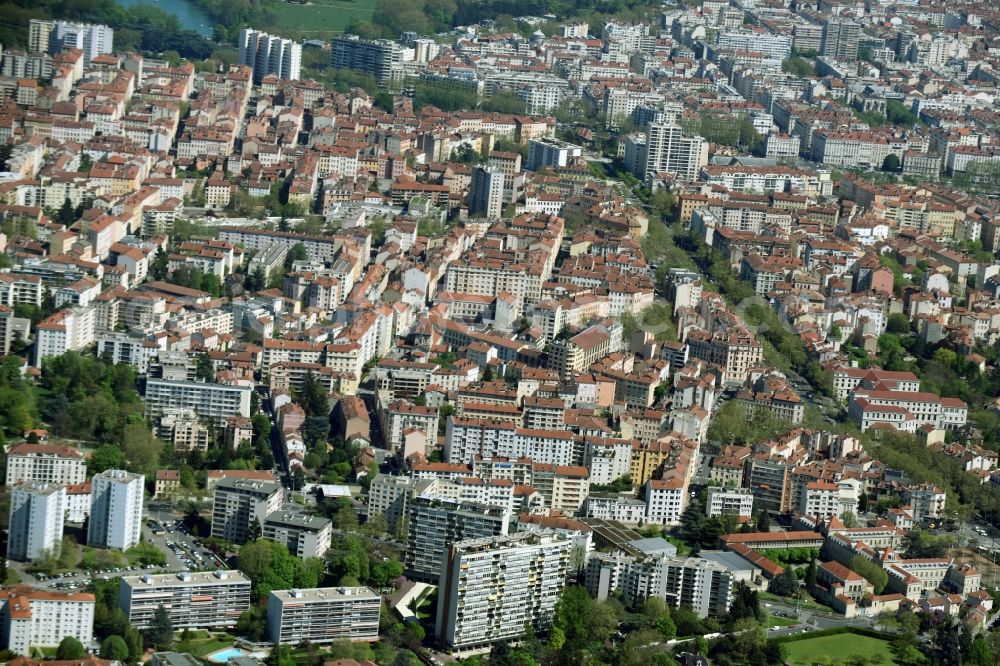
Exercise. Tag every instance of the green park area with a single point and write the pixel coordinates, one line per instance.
(318, 18)
(840, 649)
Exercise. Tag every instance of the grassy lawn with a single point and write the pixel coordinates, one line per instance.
(201, 643)
(323, 16)
(806, 602)
(837, 649)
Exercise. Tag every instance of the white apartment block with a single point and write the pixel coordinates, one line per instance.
(216, 402)
(703, 585)
(550, 153)
(48, 463)
(323, 615)
(492, 589)
(34, 618)
(266, 54)
(390, 496)
(927, 501)
(304, 535)
(666, 500)
(93, 40)
(66, 330)
(238, 502)
(467, 438)
(115, 509)
(36, 520)
(737, 501)
(668, 150)
(402, 415)
(197, 600)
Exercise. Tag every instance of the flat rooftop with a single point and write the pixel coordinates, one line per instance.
(322, 594)
(221, 577)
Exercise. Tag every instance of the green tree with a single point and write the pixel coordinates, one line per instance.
(141, 449)
(897, 323)
(161, 629)
(870, 571)
(297, 252)
(797, 66)
(784, 584)
(114, 648)
(70, 649)
(255, 280)
(313, 397)
(891, 163)
(106, 457)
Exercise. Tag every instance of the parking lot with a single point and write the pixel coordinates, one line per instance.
(183, 551)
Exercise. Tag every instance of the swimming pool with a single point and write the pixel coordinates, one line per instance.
(223, 656)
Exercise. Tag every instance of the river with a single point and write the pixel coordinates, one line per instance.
(192, 18)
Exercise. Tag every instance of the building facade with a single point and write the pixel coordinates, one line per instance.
(201, 599)
(115, 509)
(323, 615)
(36, 520)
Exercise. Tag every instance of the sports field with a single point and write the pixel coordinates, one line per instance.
(320, 17)
(833, 650)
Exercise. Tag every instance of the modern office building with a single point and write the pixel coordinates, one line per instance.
(840, 39)
(323, 615)
(93, 40)
(33, 618)
(36, 520)
(239, 502)
(216, 402)
(49, 463)
(305, 536)
(379, 57)
(486, 192)
(492, 589)
(116, 498)
(198, 600)
(668, 150)
(266, 54)
(434, 524)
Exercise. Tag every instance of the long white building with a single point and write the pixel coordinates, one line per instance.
(34, 618)
(323, 615)
(492, 589)
(211, 401)
(49, 463)
(202, 600)
(36, 520)
(115, 509)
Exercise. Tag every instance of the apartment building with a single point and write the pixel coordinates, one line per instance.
(486, 192)
(434, 523)
(67, 330)
(382, 58)
(736, 351)
(48, 463)
(35, 526)
(304, 535)
(840, 39)
(668, 150)
(32, 618)
(564, 487)
(196, 600)
(705, 586)
(666, 500)
(926, 501)
(550, 153)
(402, 415)
(390, 496)
(323, 615)
(116, 499)
(239, 502)
(493, 589)
(571, 355)
(215, 402)
(737, 501)
(466, 438)
(266, 54)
